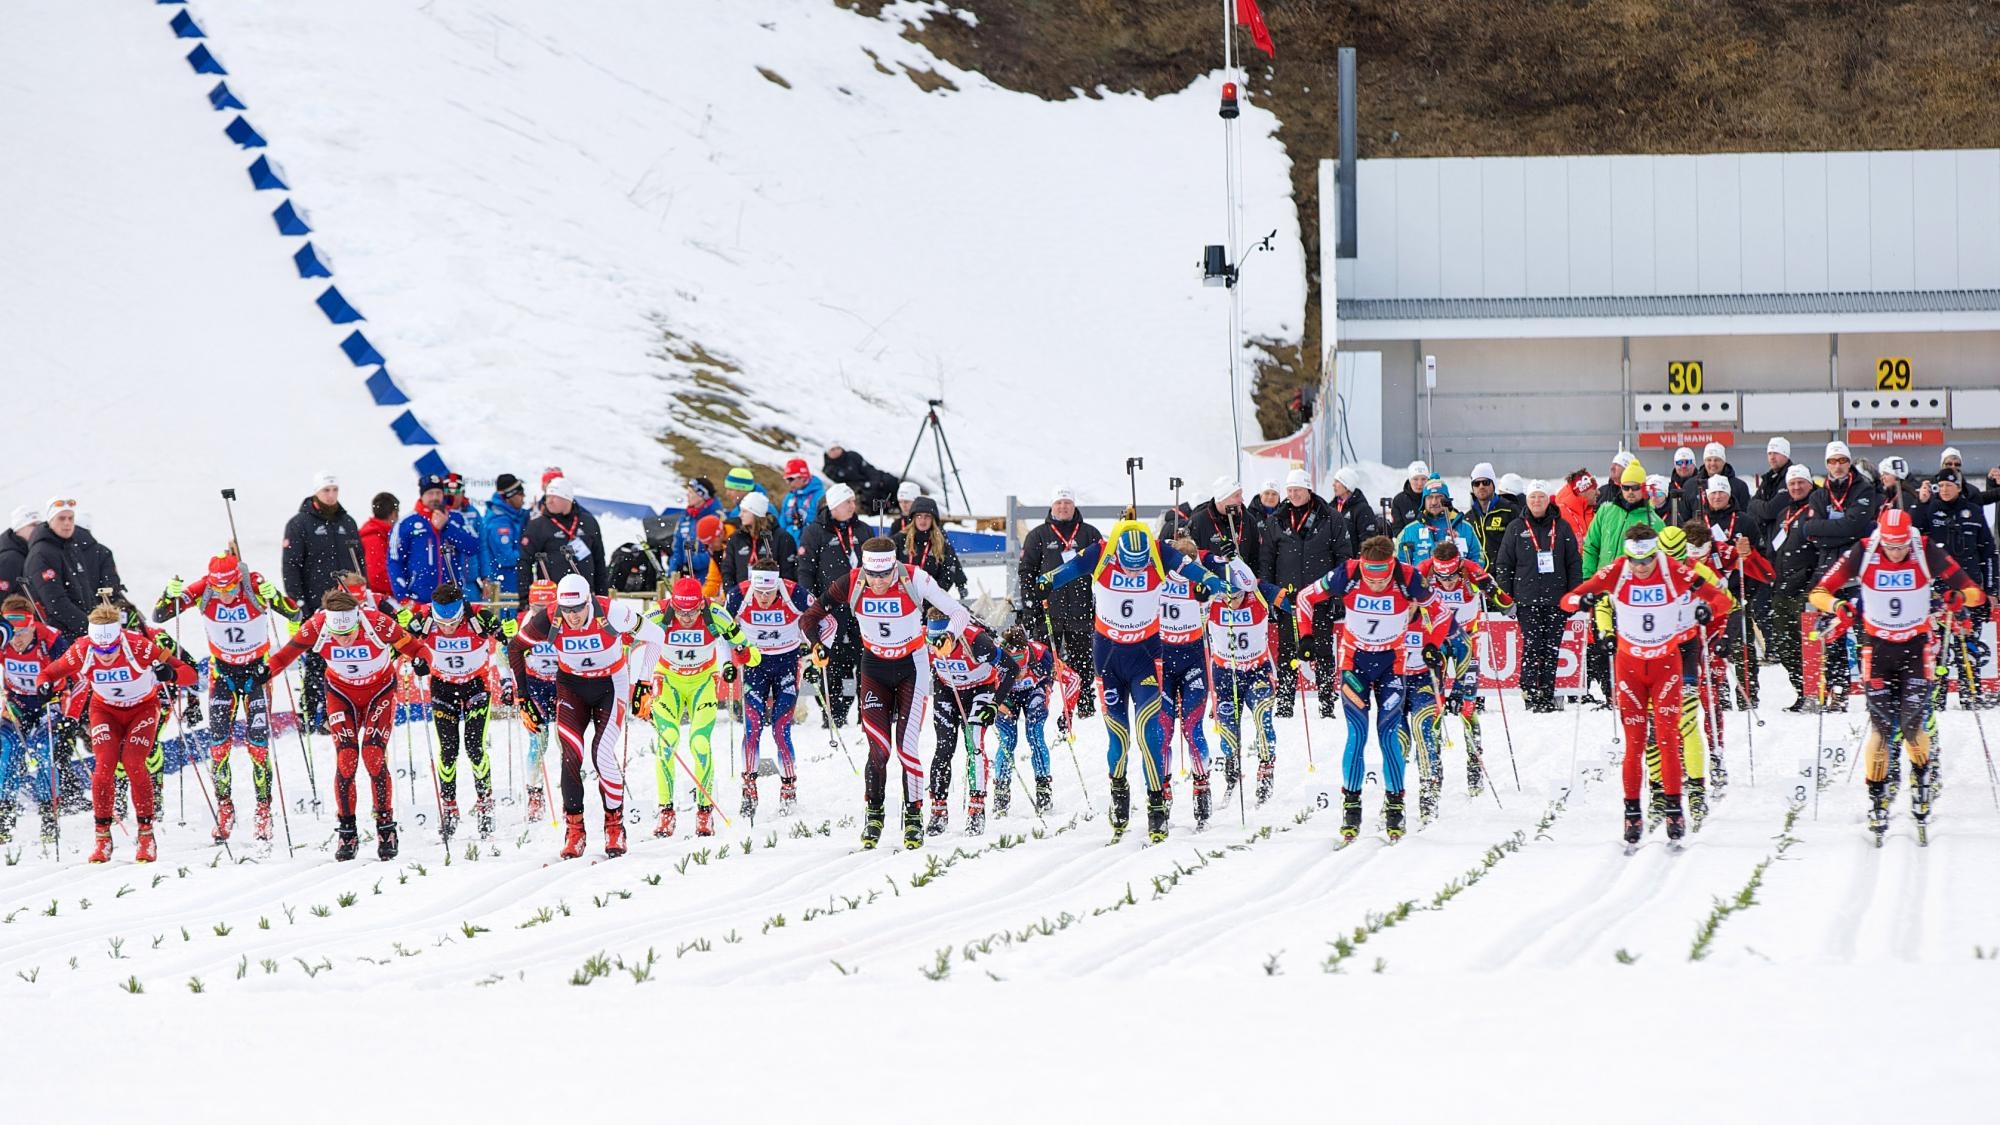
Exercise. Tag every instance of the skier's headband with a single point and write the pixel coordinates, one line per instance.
(1697, 548)
(1642, 548)
(447, 610)
(878, 563)
(763, 579)
(104, 634)
(18, 619)
(343, 620)
(1375, 569)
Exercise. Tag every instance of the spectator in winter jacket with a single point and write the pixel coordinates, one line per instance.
(1263, 504)
(1537, 560)
(65, 568)
(1363, 521)
(1577, 501)
(830, 547)
(1436, 523)
(500, 539)
(14, 549)
(737, 484)
(1606, 538)
(467, 567)
(712, 534)
(923, 544)
(1064, 617)
(1223, 526)
(756, 536)
(1714, 463)
(874, 490)
(1687, 467)
(1611, 487)
(906, 495)
(1844, 508)
(700, 502)
(1770, 491)
(375, 534)
(563, 540)
(1406, 504)
(321, 542)
(1303, 542)
(429, 548)
(1796, 560)
(1489, 513)
(1955, 523)
(803, 493)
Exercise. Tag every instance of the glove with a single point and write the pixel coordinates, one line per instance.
(962, 595)
(510, 627)
(810, 673)
(419, 626)
(1225, 545)
(405, 615)
(729, 672)
(268, 591)
(1963, 625)
(1501, 599)
(175, 588)
(531, 714)
(1044, 581)
(1213, 585)
(754, 657)
(419, 666)
(507, 693)
(1842, 609)
(981, 714)
(1588, 601)
(166, 672)
(1702, 614)
(1306, 647)
(1433, 656)
(489, 622)
(1719, 647)
(191, 710)
(642, 697)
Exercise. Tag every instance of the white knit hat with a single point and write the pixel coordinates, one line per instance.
(1538, 487)
(756, 505)
(1418, 469)
(1714, 449)
(1717, 483)
(1838, 449)
(1346, 477)
(1225, 487)
(560, 486)
(1683, 456)
(23, 516)
(1483, 471)
(324, 479)
(908, 490)
(837, 494)
(1512, 484)
(1949, 452)
(1298, 478)
(1060, 493)
(1798, 472)
(1780, 446)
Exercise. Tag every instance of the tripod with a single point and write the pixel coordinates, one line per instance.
(942, 446)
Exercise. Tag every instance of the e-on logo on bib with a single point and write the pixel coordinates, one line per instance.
(232, 614)
(1365, 604)
(1123, 581)
(1895, 580)
(590, 643)
(882, 607)
(686, 636)
(350, 653)
(1646, 595)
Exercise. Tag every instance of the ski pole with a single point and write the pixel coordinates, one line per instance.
(1749, 677)
(1471, 743)
(702, 789)
(1500, 694)
(305, 746)
(833, 728)
(284, 809)
(1965, 659)
(55, 775)
(1069, 709)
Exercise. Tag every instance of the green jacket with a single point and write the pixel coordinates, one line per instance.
(1606, 538)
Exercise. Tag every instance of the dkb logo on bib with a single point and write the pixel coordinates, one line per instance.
(1895, 580)
(1123, 581)
(1647, 595)
(1365, 604)
(232, 614)
(882, 607)
(350, 653)
(591, 643)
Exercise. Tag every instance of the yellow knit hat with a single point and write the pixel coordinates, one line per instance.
(1634, 473)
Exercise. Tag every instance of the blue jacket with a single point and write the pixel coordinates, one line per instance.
(500, 543)
(468, 568)
(800, 505)
(421, 557)
(1414, 545)
(687, 550)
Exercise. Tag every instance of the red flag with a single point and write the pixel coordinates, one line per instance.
(1249, 15)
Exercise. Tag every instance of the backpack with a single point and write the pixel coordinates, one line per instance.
(634, 570)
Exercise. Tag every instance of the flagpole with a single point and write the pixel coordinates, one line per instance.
(1230, 155)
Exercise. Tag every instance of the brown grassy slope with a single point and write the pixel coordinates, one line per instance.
(1523, 77)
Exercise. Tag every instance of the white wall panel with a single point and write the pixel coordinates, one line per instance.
(1847, 240)
(1674, 267)
(1417, 235)
(1761, 221)
(1632, 206)
(1503, 227)
(1462, 251)
(1891, 225)
(1375, 240)
(1807, 257)
(1718, 224)
(1979, 218)
(1546, 210)
(1934, 215)
(1589, 224)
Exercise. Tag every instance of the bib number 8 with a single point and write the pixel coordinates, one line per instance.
(1646, 623)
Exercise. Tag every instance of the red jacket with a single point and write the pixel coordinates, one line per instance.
(375, 554)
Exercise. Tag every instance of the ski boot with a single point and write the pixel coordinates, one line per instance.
(1697, 802)
(788, 795)
(1121, 807)
(1267, 771)
(147, 850)
(1718, 777)
(1676, 821)
(1392, 815)
(448, 819)
(1003, 798)
(482, 812)
(261, 821)
(1045, 797)
(1921, 792)
(386, 843)
(347, 840)
(975, 814)
(913, 825)
(614, 832)
(1878, 810)
(704, 820)
(573, 838)
(102, 852)
(940, 816)
(225, 820)
(871, 828)
(1656, 806)
(1232, 776)
(1156, 816)
(537, 804)
(1202, 803)
(1635, 824)
(1429, 792)
(749, 807)
(668, 818)
(49, 826)
(1350, 815)
(1475, 782)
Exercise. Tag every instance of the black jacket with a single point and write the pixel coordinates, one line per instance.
(1069, 607)
(1792, 552)
(874, 490)
(941, 565)
(64, 575)
(828, 549)
(1492, 523)
(1960, 529)
(547, 541)
(1691, 497)
(1403, 508)
(1842, 513)
(1237, 533)
(1769, 496)
(1303, 545)
(1515, 562)
(745, 546)
(13, 561)
(1364, 522)
(318, 546)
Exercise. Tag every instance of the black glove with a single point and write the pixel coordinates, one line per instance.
(1225, 545)
(962, 595)
(1702, 614)
(533, 711)
(981, 714)
(165, 672)
(729, 672)
(809, 673)
(1720, 647)
(1589, 601)
(1306, 648)
(191, 710)
(419, 666)
(1434, 656)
